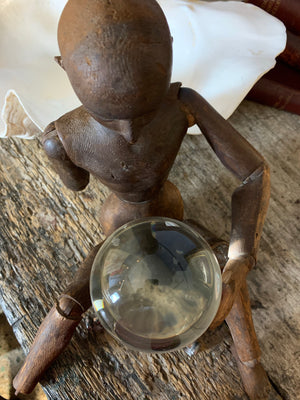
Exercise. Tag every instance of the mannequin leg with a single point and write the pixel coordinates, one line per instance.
(246, 349)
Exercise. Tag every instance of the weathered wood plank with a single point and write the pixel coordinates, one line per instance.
(46, 230)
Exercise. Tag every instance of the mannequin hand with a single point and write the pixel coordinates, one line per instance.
(233, 275)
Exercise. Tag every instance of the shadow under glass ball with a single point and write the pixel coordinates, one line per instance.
(156, 285)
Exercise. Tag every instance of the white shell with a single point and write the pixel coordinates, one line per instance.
(220, 49)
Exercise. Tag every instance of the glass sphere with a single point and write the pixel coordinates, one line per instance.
(156, 284)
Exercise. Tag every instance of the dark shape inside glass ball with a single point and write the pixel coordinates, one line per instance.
(156, 284)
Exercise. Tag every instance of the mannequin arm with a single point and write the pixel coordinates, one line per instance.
(249, 201)
(75, 178)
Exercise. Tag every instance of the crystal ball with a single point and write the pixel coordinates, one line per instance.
(155, 284)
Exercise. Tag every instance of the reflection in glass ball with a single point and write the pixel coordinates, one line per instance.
(156, 284)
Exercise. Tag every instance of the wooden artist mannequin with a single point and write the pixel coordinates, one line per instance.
(118, 57)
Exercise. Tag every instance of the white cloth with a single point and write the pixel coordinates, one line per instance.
(220, 49)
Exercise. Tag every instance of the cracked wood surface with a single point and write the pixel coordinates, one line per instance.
(46, 230)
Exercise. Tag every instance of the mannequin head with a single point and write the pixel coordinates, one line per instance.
(117, 54)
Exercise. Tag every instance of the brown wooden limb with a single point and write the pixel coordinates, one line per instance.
(79, 288)
(57, 328)
(218, 246)
(233, 272)
(74, 177)
(250, 200)
(246, 348)
(52, 338)
(249, 207)
(236, 154)
(236, 302)
(233, 277)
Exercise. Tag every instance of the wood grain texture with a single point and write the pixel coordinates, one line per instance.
(46, 230)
